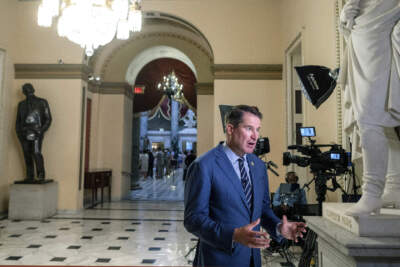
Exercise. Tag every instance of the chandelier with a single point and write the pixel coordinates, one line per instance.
(92, 23)
(171, 87)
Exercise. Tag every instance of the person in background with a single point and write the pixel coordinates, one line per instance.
(188, 160)
(159, 163)
(151, 164)
(287, 195)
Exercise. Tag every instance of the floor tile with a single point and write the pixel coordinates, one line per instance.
(34, 246)
(58, 259)
(15, 235)
(103, 260)
(148, 261)
(74, 247)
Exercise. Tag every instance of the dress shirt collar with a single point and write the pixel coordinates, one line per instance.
(232, 156)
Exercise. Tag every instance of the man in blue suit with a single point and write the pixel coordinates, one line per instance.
(227, 197)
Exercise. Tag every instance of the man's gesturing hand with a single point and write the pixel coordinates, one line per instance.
(253, 239)
(292, 230)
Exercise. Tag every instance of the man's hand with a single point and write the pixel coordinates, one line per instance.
(292, 230)
(253, 239)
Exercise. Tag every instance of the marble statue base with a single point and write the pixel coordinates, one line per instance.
(387, 224)
(33, 201)
(339, 247)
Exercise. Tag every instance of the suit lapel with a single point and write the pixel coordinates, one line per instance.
(226, 166)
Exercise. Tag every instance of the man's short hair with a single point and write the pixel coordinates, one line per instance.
(235, 115)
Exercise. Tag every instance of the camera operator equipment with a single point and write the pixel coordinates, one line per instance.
(262, 148)
(323, 165)
(287, 195)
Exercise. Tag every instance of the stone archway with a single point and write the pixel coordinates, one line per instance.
(161, 33)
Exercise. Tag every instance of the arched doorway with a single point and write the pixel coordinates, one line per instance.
(162, 36)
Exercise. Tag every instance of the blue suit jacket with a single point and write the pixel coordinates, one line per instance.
(215, 205)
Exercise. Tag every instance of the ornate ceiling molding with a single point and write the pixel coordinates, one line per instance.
(52, 71)
(247, 71)
(152, 35)
(204, 88)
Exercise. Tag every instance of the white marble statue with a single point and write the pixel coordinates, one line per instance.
(189, 119)
(370, 72)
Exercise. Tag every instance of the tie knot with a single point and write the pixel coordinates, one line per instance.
(241, 160)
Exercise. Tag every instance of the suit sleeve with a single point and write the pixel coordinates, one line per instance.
(196, 218)
(269, 221)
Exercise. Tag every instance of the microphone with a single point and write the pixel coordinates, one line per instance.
(273, 164)
(292, 147)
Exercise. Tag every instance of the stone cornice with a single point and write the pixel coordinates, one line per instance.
(111, 88)
(247, 71)
(204, 88)
(52, 71)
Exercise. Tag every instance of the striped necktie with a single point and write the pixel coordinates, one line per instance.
(246, 183)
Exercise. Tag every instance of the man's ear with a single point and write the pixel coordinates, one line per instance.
(229, 129)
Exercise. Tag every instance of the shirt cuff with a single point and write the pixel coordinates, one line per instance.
(278, 233)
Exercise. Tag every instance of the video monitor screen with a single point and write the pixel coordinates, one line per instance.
(335, 156)
(307, 131)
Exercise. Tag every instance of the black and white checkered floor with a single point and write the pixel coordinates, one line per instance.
(126, 233)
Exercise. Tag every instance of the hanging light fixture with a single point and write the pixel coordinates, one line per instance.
(91, 23)
(171, 87)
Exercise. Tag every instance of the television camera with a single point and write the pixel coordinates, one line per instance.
(262, 147)
(324, 165)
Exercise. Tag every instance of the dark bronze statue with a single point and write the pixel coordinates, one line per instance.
(33, 119)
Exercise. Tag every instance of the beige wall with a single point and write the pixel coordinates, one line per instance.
(114, 140)
(37, 44)
(205, 120)
(318, 48)
(231, 26)
(7, 44)
(61, 144)
(268, 96)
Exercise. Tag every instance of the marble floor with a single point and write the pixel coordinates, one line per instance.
(137, 232)
(168, 188)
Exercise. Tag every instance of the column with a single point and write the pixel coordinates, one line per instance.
(144, 117)
(135, 152)
(174, 121)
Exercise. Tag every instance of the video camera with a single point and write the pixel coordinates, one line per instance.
(324, 165)
(262, 146)
(334, 161)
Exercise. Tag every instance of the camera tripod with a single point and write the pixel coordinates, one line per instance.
(321, 178)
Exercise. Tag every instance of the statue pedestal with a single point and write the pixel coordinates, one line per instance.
(33, 201)
(387, 224)
(340, 243)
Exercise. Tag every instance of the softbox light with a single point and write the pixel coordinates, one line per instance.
(317, 82)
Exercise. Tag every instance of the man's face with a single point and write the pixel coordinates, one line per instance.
(292, 178)
(242, 139)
